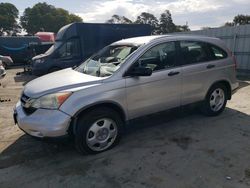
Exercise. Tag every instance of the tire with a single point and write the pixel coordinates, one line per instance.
(98, 130)
(215, 101)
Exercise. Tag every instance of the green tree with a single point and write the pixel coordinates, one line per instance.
(46, 17)
(147, 18)
(74, 18)
(241, 19)
(116, 19)
(8, 18)
(166, 23)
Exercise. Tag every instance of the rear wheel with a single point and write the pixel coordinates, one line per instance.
(215, 101)
(98, 131)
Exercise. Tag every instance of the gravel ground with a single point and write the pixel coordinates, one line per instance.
(179, 149)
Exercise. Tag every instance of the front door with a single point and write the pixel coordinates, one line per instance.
(161, 90)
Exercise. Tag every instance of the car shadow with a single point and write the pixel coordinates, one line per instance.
(243, 84)
(27, 148)
(159, 118)
(171, 124)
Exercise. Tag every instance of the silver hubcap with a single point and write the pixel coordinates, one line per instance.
(102, 134)
(217, 99)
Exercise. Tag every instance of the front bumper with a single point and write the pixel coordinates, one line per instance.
(43, 122)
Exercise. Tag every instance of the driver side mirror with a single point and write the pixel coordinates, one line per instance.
(140, 71)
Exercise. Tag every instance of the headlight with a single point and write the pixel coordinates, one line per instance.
(51, 101)
(39, 60)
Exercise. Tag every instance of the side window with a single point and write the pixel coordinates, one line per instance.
(70, 49)
(194, 52)
(217, 53)
(159, 57)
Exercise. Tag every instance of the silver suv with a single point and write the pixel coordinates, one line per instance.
(125, 80)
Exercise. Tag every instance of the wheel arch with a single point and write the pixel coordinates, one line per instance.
(109, 104)
(226, 84)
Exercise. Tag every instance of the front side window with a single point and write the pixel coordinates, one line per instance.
(159, 57)
(71, 48)
(194, 52)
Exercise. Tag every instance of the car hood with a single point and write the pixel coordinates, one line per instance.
(59, 81)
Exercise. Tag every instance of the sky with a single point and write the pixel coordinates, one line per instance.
(197, 13)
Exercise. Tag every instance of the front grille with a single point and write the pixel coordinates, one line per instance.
(25, 101)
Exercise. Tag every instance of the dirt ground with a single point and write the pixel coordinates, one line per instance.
(180, 149)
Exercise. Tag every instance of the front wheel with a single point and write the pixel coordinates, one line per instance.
(215, 101)
(98, 131)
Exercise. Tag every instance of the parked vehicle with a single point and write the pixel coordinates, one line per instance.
(6, 61)
(46, 36)
(20, 49)
(126, 80)
(17, 47)
(78, 41)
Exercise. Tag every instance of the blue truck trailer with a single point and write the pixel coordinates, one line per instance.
(77, 41)
(17, 47)
(22, 48)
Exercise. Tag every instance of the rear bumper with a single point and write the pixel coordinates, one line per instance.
(43, 122)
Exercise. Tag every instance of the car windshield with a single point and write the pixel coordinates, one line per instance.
(106, 61)
(53, 47)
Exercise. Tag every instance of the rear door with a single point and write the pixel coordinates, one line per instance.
(161, 90)
(201, 67)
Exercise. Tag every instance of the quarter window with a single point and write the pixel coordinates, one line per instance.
(159, 57)
(218, 53)
(194, 52)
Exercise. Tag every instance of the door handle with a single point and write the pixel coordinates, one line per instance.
(172, 73)
(210, 66)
